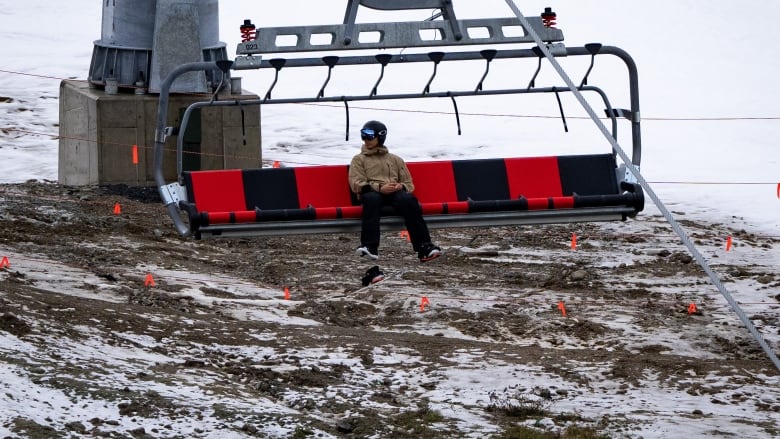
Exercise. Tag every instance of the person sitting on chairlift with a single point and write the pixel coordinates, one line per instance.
(380, 178)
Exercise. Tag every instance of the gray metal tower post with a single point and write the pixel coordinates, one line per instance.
(143, 40)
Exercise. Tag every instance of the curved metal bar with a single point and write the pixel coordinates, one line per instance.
(538, 52)
(436, 57)
(457, 113)
(346, 108)
(593, 48)
(560, 108)
(383, 59)
(634, 170)
(488, 54)
(633, 86)
(277, 63)
(330, 61)
(161, 134)
(633, 77)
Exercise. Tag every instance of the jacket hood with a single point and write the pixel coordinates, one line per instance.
(379, 150)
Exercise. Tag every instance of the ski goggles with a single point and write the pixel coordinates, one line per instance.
(369, 134)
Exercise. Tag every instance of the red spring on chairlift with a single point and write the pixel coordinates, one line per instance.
(248, 31)
(548, 18)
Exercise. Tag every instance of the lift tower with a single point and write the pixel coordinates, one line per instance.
(107, 122)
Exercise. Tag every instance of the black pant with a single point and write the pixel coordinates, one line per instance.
(406, 205)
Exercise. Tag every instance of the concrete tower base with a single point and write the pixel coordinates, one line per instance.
(98, 131)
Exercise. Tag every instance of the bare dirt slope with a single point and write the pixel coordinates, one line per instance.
(213, 349)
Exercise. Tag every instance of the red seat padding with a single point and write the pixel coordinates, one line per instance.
(323, 186)
(434, 182)
(218, 191)
(533, 177)
(449, 187)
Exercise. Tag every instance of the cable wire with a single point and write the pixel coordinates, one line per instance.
(529, 116)
(646, 186)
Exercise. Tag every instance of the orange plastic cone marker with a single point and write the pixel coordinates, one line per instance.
(4, 262)
(135, 154)
(692, 309)
(117, 209)
(286, 293)
(405, 235)
(574, 241)
(423, 303)
(277, 164)
(728, 243)
(149, 281)
(562, 307)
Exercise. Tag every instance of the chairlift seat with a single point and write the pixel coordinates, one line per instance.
(454, 193)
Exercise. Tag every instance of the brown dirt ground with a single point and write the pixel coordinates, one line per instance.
(76, 227)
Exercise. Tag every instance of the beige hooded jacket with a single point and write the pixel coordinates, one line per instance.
(374, 167)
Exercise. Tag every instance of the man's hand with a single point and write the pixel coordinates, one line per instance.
(389, 188)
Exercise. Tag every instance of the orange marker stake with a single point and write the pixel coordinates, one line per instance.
(692, 309)
(778, 190)
(405, 234)
(574, 241)
(728, 244)
(149, 281)
(286, 293)
(117, 209)
(423, 303)
(135, 154)
(4, 262)
(562, 307)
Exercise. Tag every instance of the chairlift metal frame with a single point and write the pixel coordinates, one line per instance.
(345, 37)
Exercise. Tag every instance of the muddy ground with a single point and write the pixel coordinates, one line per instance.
(496, 297)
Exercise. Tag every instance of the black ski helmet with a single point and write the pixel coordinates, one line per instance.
(379, 128)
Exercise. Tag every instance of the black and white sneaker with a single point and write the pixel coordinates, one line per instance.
(428, 252)
(373, 275)
(364, 251)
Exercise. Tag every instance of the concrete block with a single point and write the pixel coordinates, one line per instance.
(98, 131)
(242, 156)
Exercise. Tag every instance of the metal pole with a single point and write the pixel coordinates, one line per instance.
(646, 186)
